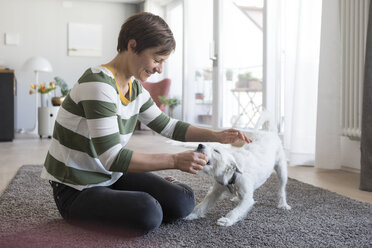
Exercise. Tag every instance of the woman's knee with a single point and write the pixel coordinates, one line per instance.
(182, 203)
(151, 214)
(188, 201)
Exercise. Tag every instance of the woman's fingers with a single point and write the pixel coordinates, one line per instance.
(200, 158)
(248, 140)
(190, 161)
(232, 135)
(197, 167)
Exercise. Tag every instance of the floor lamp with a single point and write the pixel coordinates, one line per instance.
(37, 64)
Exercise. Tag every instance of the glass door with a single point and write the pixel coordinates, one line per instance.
(242, 38)
(198, 73)
(223, 62)
(173, 67)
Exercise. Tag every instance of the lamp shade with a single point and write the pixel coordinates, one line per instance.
(37, 64)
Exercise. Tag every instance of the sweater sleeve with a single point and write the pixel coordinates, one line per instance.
(158, 121)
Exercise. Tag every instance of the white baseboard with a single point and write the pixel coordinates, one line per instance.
(349, 169)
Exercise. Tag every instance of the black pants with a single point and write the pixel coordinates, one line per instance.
(137, 202)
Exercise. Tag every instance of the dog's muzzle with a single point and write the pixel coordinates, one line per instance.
(201, 149)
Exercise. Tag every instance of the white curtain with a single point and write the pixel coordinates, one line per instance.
(300, 44)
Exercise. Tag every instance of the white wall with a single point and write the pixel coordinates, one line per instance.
(332, 150)
(42, 26)
(350, 154)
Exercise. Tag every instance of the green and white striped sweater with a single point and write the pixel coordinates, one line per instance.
(93, 126)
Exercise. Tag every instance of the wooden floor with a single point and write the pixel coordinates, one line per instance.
(29, 149)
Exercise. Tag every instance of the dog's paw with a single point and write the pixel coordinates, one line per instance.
(284, 206)
(235, 199)
(223, 221)
(192, 216)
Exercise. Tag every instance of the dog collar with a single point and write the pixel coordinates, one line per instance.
(231, 184)
(232, 179)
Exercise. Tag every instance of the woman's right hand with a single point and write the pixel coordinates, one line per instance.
(189, 161)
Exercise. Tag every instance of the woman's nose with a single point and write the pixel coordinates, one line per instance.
(159, 68)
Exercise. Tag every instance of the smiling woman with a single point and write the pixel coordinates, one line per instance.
(95, 178)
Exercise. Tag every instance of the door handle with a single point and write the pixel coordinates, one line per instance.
(212, 54)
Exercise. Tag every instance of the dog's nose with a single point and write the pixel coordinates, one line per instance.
(200, 147)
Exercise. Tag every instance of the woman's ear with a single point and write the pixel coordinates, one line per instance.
(132, 45)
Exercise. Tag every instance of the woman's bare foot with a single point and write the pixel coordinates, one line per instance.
(170, 179)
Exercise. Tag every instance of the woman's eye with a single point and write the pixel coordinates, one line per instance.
(217, 151)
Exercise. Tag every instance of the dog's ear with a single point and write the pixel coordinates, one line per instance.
(235, 167)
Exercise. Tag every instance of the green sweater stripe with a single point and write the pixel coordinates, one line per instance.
(127, 126)
(180, 131)
(73, 140)
(136, 90)
(69, 105)
(146, 105)
(102, 144)
(98, 109)
(122, 161)
(71, 175)
(159, 123)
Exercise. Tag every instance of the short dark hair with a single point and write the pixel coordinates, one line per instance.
(148, 30)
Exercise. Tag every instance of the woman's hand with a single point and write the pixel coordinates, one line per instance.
(189, 161)
(230, 136)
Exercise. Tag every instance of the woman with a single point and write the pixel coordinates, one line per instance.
(95, 179)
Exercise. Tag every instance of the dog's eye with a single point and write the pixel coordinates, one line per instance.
(217, 151)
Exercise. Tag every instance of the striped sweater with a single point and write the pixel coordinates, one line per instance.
(94, 124)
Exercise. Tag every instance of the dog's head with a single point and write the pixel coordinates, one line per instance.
(221, 164)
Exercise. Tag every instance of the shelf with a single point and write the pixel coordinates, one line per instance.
(203, 103)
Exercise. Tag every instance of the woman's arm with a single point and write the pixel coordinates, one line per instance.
(229, 136)
(188, 161)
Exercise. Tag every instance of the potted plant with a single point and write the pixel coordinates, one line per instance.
(44, 90)
(246, 80)
(57, 101)
(170, 102)
(229, 74)
(198, 75)
(207, 74)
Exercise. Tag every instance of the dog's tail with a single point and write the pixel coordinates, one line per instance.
(266, 122)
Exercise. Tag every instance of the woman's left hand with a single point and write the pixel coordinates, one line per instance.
(230, 136)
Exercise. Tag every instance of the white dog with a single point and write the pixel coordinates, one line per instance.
(242, 171)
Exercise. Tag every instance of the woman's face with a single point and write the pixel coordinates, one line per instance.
(147, 63)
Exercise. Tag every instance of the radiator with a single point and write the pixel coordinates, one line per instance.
(354, 21)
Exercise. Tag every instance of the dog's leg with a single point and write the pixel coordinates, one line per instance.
(241, 210)
(281, 171)
(207, 203)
